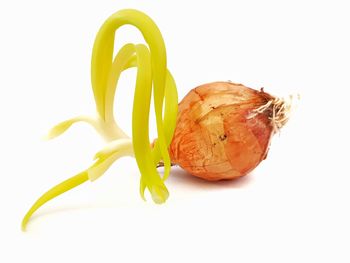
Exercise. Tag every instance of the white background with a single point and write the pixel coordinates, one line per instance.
(293, 208)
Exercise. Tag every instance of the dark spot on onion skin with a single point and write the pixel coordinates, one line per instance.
(223, 137)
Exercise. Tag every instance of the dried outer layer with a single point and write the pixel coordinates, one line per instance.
(219, 134)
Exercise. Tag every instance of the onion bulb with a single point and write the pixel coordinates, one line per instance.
(224, 129)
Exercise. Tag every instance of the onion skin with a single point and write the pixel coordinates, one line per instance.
(216, 135)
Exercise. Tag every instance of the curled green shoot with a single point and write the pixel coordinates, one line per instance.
(152, 75)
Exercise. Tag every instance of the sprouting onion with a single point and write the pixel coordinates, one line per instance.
(152, 75)
(220, 131)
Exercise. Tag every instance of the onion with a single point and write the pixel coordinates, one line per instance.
(224, 129)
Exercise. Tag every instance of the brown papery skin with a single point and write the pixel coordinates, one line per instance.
(215, 137)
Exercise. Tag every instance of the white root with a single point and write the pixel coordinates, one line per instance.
(280, 110)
